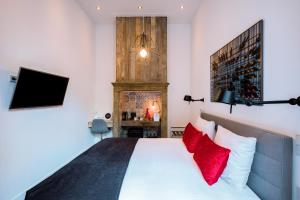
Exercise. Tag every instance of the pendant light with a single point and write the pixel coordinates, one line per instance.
(143, 39)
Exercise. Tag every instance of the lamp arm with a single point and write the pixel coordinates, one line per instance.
(291, 101)
(198, 100)
(272, 102)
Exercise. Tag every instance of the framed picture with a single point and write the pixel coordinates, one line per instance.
(238, 66)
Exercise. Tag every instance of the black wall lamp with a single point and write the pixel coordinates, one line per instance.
(190, 99)
(228, 97)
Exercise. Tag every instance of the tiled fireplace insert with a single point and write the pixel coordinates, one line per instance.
(135, 105)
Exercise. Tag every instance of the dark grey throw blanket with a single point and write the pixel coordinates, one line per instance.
(97, 174)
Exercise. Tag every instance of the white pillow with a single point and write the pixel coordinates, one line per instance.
(207, 127)
(240, 159)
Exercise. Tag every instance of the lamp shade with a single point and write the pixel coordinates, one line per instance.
(187, 98)
(227, 97)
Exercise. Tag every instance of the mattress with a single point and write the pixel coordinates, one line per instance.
(164, 169)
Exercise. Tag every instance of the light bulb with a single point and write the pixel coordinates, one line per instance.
(153, 106)
(143, 53)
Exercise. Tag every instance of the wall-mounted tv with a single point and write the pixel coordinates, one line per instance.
(38, 89)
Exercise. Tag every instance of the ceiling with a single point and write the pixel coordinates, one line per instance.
(109, 9)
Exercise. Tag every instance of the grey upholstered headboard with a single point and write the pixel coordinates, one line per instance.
(271, 174)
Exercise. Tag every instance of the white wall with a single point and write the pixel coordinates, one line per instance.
(217, 23)
(105, 68)
(179, 71)
(53, 36)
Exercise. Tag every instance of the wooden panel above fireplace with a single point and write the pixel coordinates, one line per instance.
(130, 67)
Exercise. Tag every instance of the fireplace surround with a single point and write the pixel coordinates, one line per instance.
(148, 88)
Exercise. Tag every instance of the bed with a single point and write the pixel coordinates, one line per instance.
(271, 174)
(168, 171)
(144, 169)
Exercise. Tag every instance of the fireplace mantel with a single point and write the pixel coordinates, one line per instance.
(139, 86)
(143, 86)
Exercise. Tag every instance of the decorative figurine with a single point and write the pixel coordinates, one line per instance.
(147, 116)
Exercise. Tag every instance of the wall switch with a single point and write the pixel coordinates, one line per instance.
(298, 193)
(90, 124)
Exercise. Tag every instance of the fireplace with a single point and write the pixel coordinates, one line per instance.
(132, 101)
(141, 82)
(135, 105)
(140, 113)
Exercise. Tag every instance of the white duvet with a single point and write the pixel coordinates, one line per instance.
(162, 169)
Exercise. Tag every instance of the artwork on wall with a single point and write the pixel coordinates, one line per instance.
(238, 66)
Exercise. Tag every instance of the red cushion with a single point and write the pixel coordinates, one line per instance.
(211, 159)
(191, 137)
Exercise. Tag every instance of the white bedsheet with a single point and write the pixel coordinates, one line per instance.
(162, 169)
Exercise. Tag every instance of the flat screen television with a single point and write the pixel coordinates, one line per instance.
(38, 89)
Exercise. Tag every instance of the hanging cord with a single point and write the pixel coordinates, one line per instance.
(143, 24)
(143, 39)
